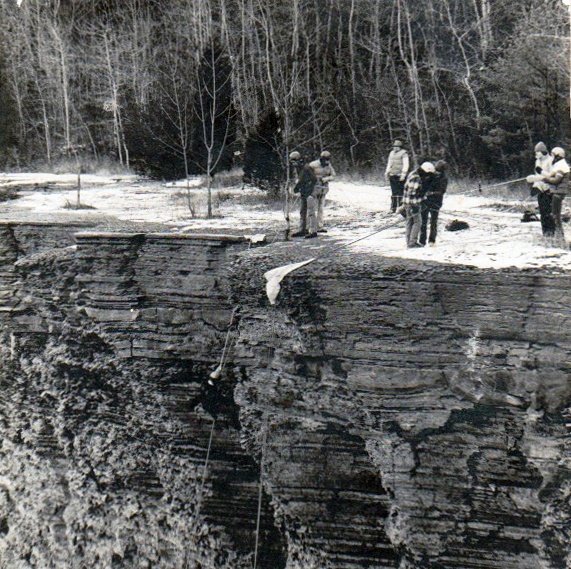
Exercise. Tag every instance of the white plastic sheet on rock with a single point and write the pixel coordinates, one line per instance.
(257, 238)
(275, 276)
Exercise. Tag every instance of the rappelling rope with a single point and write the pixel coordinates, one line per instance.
(378, 230)
(274, 276)
(225, 350)
(260, 491)
(480, 187)
(205, 468)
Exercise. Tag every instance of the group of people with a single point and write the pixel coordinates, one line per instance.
(418, 194)
(550, 183)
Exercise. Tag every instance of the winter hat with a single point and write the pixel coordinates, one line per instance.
(397, 143)
(540, 147)
(325, 154)
(558, 151)
(295, 155)
(428, 167)
(441, 166)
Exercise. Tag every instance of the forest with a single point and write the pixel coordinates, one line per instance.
(172, 88)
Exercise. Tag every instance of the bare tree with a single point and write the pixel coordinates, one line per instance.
(214, 109)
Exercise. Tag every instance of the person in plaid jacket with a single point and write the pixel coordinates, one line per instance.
(416, 186)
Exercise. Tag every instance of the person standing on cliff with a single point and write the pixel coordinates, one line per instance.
(296, 164)
(417, 184)
(539, 188)
(557, 181)
(305, 187)
(433, 203)
(324, 173)
(396, 172)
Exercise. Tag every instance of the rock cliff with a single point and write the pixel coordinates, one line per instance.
(383, 413)
(417, 413)
(113, 452)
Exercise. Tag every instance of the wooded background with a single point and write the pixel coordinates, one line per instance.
(176, 87)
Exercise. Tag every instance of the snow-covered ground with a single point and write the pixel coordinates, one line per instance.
(496, 237)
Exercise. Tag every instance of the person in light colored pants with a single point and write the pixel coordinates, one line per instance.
(324, 173)
(305, 187)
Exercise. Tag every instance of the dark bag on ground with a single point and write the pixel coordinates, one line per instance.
(529, 216)
(457, 225)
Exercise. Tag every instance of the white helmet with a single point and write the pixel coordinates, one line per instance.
(295, 155)
(428, 167)
(325, 154)
(558, 151)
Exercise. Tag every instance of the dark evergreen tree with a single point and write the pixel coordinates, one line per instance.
(147, 134)
(263, 166)
(8, 121)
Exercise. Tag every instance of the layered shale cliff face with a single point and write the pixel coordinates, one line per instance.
(383, 413)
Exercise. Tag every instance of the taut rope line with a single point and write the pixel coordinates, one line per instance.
(260, 492)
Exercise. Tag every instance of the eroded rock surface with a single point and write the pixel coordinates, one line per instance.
(113, 452)
(433, 398)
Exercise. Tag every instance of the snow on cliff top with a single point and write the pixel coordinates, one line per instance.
(496, 238)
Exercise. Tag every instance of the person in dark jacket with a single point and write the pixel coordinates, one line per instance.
(543, 163)
(296, 164)
(433, 203)
(305, 187)
(558, 187)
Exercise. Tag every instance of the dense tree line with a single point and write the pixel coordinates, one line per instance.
(175, 87)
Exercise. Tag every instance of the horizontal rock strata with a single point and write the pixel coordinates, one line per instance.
(383, 413)
(454, 381)
(115, 452)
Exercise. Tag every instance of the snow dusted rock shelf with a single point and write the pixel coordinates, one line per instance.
(398, 413)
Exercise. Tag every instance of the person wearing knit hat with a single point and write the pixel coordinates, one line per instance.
(296, 163)
(396, 172)
(303, 184)
(417, 184)
(433, 203)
